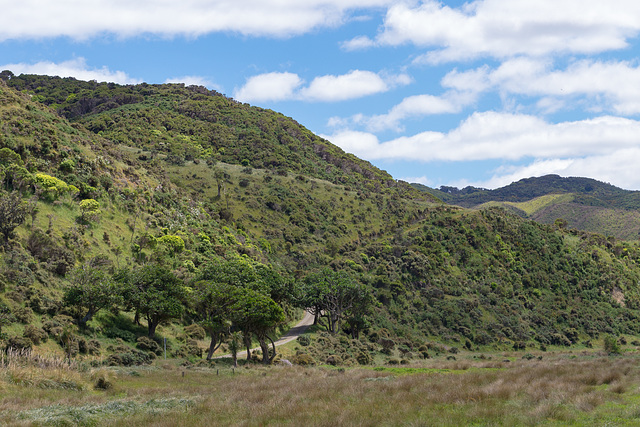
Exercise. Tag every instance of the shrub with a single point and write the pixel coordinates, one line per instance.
(304, 340)
(611, 345)
(189, 349)
(102, 379)
(334, 360)
(35, 334)
(17, 343)
(147, 344)
(93, 347)
(23, 315)
(303, 359)
(393, 362)
(195, 332)
(364, 358)
(126, 356)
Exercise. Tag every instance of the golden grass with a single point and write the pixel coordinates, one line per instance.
(524, 392)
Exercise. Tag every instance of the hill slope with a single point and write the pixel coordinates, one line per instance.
(584, 203)
(475, 278)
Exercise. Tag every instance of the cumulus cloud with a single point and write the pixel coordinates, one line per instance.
(81, 19)
(612, 85)
(492, 135)
(77, 68)
(330, 88)
(498, 28)
(416, 106)
(268, 87)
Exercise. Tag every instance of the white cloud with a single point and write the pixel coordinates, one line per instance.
(269, 87)
(613, 86)
(195, 81)
(76, 68)
(330, 88)
(501, 29)
(492, 135)
(354, 84)
(82, 19)
(418, 105)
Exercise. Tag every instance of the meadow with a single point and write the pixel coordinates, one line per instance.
(546, 388)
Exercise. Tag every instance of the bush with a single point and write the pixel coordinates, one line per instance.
(147, 344)
(93, 347)
(303, 359)
(129, 357)
(304, 340)
(35, 334)
(17, 343)
(23, 315)
(364, 358)
(195, 332)
(611, 345)
(334, 360)
(189, 349)
(102, 379)
(393, 362)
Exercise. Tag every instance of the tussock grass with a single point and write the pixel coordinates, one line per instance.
(437, 392)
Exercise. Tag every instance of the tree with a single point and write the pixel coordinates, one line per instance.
(155, 293)
(333, 295)
(235, 341)
(91, 290)
(255, 313)
(13, 212)
(212, 304)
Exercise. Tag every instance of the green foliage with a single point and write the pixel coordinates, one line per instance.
(13, 212)
(154, 292)
(91, 290)
(611, 345)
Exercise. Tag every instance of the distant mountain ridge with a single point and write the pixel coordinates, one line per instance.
(588, 204)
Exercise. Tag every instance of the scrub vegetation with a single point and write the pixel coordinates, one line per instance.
(139, 218)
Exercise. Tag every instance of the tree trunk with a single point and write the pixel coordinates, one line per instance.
(212, 347)
(247, 343)
(152, 327)
(85, 319)
(265, 351)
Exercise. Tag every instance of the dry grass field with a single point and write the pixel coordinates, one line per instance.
(499, 389)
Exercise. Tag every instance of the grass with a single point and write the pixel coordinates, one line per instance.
(557, 390)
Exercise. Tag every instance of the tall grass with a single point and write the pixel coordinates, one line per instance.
(523, 392)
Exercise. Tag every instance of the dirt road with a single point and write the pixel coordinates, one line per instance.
(293, 333)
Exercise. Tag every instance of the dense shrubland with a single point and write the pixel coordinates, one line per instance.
(165, 211)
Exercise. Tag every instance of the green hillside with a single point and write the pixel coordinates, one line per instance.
(242, 213)
(586, 204)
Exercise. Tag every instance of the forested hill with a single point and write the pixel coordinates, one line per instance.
(590, 191)
(195, 215)
(188, 123)
(584, 203)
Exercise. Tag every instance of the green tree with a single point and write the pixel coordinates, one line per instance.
(257, 314)
(155, 293)
(212, 305)
(235, 341)
(91, 290)
(13, 212)
(334, 295)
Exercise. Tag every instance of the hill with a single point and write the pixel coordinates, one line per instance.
(586, 204)
(185, 184)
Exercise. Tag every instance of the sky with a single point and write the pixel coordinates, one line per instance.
(480, 93)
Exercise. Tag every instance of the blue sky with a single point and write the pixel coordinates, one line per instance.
(444, 93)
